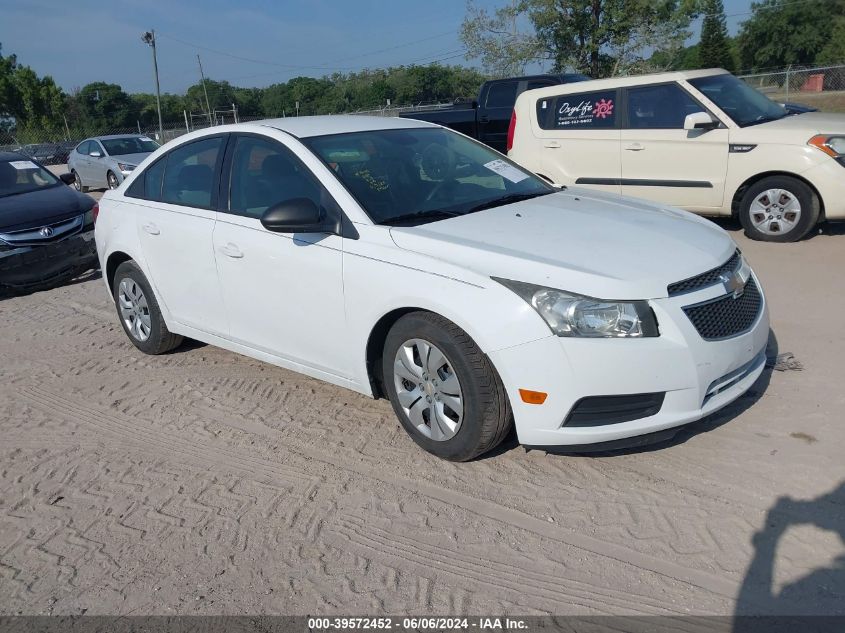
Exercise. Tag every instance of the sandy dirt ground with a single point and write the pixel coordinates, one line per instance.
(203, 482)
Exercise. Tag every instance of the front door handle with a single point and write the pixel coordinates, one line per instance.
(484, 119)
(151, 228)
(635, 147)
(552, 144)
(231, 250)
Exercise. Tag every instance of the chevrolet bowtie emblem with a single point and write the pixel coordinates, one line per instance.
(735, 281)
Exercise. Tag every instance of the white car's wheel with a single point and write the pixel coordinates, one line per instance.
(139, 313)
(779, 209)
(443, 388)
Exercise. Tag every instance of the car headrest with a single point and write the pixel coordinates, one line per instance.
(277, 166)
(195, 178)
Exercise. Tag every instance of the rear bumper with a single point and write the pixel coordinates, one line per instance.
(34, 266)
(698, 377)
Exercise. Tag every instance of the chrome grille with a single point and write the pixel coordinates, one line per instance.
(43, 234)
(726, 316)
(709, 278)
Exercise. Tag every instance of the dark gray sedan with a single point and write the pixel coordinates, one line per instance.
(104, 161)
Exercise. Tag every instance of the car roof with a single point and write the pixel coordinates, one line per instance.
(306, 126)
(109, 137)
(616, 82)
(5, 157)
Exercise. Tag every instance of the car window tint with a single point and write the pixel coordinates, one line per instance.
(189, 176)
(539, 83)
(83, 148)
(94, 146)
(581, 110)
(153, 177)
(501, 95)
(264, 173)
(660, 107)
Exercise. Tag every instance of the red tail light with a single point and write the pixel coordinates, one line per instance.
(511, 130)
(95, 211)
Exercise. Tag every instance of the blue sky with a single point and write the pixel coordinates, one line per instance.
(90, 40)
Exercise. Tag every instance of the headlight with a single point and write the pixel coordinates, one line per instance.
(568, 314)
(125, 167)
(831, 145)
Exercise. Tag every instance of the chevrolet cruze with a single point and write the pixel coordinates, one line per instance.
(400, 259)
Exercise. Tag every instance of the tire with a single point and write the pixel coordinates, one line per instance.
(77, 182)
(111, 180)
(152, 335)
(779, 209)
(485, 418)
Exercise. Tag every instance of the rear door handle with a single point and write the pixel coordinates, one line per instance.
(552, 144)
(231, 250)
(635, 147)
(151, 228)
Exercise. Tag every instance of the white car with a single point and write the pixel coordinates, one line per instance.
(401, 259)
(702, 140)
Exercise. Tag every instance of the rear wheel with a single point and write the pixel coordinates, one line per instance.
(443, 388)
(77, 182)
(139, 312)
(779, 209)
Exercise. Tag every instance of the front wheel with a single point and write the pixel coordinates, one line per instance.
(443, 388)
(139, 312)
(779, 209)
(112, 180)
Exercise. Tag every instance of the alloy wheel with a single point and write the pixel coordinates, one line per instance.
(134, 309)
(775, 211)
(428, 389)
(113, 184)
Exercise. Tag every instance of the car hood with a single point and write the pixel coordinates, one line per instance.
(44, 206)
(816, 122)
(131, 159)
(590, 243)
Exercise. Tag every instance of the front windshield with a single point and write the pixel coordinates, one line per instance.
(23, 176)
(129, 145)
(738, 100)
(417, 175)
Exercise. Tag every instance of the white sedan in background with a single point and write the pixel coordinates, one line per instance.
(398, 258)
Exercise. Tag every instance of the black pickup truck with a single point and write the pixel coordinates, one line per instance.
(487, 118)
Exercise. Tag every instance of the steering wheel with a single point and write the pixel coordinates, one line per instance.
(438, 163)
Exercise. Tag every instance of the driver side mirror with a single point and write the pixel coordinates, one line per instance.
(68, 178)
(700, 121)
(297, 215)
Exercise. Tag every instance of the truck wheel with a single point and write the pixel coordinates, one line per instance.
(779, 209)
(443, 388)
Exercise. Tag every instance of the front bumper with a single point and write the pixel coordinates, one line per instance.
(697, 376)
(34, 266)
(828, 178)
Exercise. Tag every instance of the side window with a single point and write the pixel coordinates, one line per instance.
(83, 148)
(539, 83)
(265, 173)
(582, 110)
(662, 107)
(189, 175)
(94, 146)
(501, 95)
(153, 178)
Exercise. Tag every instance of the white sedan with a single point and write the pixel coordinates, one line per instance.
(400, 259)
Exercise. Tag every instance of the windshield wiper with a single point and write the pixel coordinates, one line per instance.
(508, 199)
(419, 215)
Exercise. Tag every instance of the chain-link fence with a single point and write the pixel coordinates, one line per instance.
(819, 87)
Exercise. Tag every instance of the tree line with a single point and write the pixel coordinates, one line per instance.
(597, 37)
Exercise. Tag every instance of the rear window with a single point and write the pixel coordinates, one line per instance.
(501, 95)
(582, 110)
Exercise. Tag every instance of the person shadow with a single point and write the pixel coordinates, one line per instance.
(819, 593)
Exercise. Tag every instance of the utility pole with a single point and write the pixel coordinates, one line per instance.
(202, 77)
(149, 38)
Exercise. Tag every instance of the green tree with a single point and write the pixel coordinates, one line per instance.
(714, 49)
(609, 37)
(499, 38)
(103, 106)
(781, 33)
